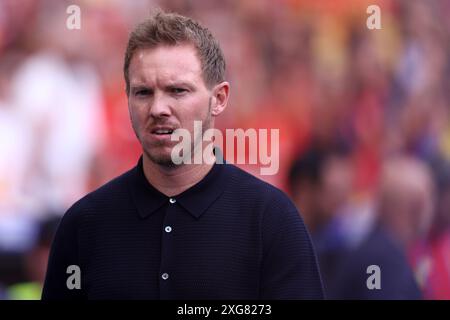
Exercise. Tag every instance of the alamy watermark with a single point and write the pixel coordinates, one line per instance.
(374, 20)
(258, 147)
(73, 21)
(374, 280)
(74, 280)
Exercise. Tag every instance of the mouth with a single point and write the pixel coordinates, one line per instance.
(161, 132)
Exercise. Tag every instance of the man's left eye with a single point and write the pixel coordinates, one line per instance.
(178, 90)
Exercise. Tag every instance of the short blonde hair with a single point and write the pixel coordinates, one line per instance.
(174, 29)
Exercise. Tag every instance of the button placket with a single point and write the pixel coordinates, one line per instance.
(167, 249)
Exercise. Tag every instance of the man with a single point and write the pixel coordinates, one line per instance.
(185, 231)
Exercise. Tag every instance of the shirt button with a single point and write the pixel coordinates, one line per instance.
(172, 200)
(165, 276)
(168, 229)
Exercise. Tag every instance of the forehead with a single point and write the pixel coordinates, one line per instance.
(165, 63)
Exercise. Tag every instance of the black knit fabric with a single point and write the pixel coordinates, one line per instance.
(231, 236)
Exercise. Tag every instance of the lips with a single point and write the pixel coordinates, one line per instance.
(163, 130)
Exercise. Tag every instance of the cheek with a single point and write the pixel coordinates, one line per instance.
(136, 114)
(195, 108)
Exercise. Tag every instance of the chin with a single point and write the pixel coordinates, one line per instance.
(164, 162)
(162, 158)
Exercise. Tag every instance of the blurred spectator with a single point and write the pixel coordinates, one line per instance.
(405, 211)
(431, 259)
(322, 186)
(15, 142)
(60, 101)
(35, 263)
(304, 185)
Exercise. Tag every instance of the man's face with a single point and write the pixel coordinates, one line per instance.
(167, 92)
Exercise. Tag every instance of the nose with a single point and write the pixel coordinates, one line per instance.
(160, 106)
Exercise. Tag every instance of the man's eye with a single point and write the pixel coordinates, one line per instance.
(178, 90)
(143, 92)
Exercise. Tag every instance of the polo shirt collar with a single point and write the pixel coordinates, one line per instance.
(196, 200)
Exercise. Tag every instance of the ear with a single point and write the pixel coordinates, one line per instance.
(220, 96)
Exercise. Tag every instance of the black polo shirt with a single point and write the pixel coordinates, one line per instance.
(230, 236)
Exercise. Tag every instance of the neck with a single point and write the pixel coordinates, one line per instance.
(172, 181)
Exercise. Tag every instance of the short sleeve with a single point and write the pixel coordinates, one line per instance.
(289, 264)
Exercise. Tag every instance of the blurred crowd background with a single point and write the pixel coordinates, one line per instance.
(364, 120)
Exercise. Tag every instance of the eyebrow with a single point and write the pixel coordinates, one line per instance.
(136, 87)
(140, 85)
(179, 84)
